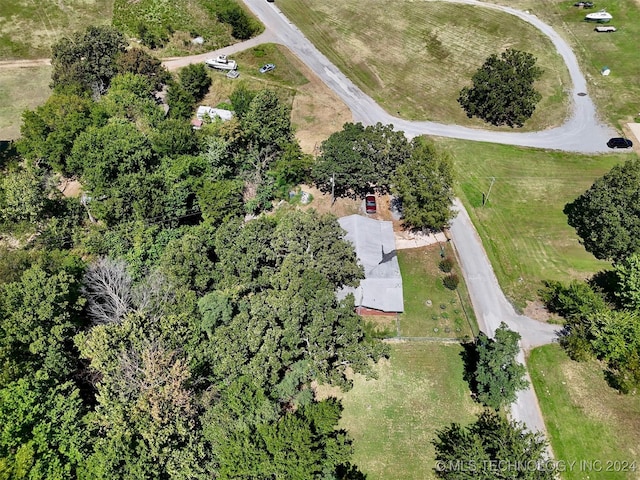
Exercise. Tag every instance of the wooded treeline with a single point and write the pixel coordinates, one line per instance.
(149, 331)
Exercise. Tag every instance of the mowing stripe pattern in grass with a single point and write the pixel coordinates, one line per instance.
(414, 57)
(587, 420)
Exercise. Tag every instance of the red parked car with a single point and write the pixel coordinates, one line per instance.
(370, 204)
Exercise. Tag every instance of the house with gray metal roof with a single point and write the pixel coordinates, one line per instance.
(375, 246)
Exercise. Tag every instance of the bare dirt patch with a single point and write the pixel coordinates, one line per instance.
(321, 202)
(70, 188)
(317, 112)
(537, 310)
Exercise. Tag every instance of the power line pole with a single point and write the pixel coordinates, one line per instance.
(333, 186)
(485, 199)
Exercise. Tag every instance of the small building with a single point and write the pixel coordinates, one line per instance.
(375, 246)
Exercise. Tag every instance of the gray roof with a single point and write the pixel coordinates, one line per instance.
(375, 247)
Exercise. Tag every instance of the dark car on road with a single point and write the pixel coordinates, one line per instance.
(619, 142)
(370, 204)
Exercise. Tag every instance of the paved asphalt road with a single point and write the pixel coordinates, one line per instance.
(492, 308)
(583, 132)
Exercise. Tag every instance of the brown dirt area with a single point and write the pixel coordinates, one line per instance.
(317, 112)
(537, 311)
(321, 202)
(70, 188)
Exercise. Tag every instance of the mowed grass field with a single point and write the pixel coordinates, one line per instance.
(430, 308)
(523, 228)
(393, 419)
(28, 28)
(586, 419)
(415, 57)
(20, 89)
(617, 95)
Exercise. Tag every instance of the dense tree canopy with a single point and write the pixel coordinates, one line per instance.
(195, 80)
(503, 91)
(607, 216)
(48, 132)
(423, 185)
(86, 62)
(187, 342)
(139, 62)
(359, 159)
(628, 276)
(498, 375)
(492, 447)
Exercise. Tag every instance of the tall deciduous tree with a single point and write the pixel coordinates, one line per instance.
(503, 91)
(267, 122)
(498, 374)
(139, 62)
(39, 318)
(86, 62)
(195, 80)
(101, 155)
(607, 216)
(42, 434)
(490, 448)
(615, 338)
(628, 274)
(48, 132)
(423, 184)
(22, 195)
(359, 159)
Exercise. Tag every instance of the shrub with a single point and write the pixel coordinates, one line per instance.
(451, 281)
(446, 264)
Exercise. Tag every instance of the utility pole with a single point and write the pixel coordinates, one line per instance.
(333, 186)
(485, 199)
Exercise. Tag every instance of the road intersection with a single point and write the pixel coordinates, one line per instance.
(583, 132)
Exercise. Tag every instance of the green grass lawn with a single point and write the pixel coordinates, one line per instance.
(431, 309)
(414, 57)
(617, 96)
(286, 74)
(20, 89)
(585, 418)
(394, 418)
(28, 29)
(522, 226)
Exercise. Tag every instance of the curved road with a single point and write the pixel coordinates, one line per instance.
(583, 132)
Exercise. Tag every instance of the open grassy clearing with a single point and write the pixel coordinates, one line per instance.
(316, 111)
(28, 28)
(393, 419)
(522, 226)
(617, 96)
(414, 57)
(21, 89)
(178, 20)
(431, 309)
(586, 419)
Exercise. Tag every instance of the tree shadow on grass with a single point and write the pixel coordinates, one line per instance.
(469, 355)
(7, 152)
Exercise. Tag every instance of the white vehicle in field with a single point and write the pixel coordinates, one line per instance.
(221, 62)
(601, 16)
(605, 28)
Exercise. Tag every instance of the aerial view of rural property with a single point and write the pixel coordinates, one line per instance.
(299, 239)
